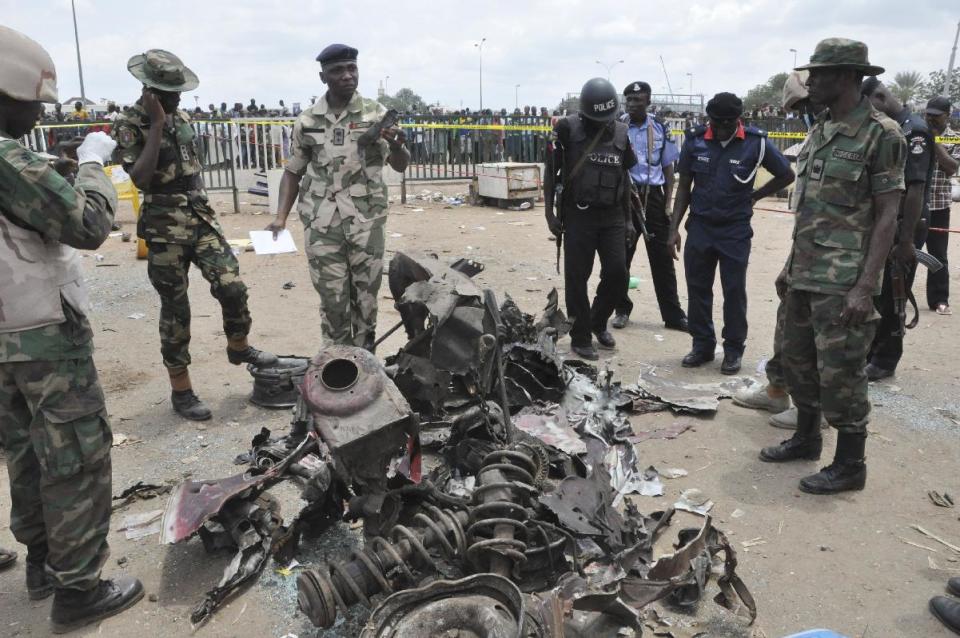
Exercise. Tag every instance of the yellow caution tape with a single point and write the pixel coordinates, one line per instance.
(783, 135)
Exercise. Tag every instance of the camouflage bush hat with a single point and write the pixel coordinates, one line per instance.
(26, 69)
(841, 53)
(795, 89)
(162, 70)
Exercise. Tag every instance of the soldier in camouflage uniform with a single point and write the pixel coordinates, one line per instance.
(343, 200)
(849, 181)
(53, 420)
(178, 223)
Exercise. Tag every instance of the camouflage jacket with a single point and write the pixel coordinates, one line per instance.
(175, 205)
(336, 176)
(41, 208)
(841, 167)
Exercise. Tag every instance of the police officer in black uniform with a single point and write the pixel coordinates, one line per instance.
(887, 345)
(718, 165)
(587, 192)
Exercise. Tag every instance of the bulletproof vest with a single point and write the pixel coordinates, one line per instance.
(178, 165)
(599, 179)
(36, 277)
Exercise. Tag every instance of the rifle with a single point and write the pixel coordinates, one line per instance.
(901, 295)
(558, 211)
(639, 210)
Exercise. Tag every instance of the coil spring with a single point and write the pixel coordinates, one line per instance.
(500, 505)
(321, 591)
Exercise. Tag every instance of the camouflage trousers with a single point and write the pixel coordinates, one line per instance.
(823, 360)
(58, 439)
(346, 267)
(774, 367)
(168, 267)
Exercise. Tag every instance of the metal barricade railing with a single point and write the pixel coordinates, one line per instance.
(217, 154)
(449, 147)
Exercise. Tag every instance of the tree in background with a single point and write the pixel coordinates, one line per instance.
(405, 101)
(934, 85)
(770, 92)
(907, 85)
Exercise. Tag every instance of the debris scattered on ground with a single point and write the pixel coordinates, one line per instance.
(478, 460)
(695, 398)
(694, 500)
(941, 500)
(936, 538)
(139, 491)
(136, 526)
(136, 315)
(289, 285)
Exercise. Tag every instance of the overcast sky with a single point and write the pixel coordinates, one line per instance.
(266, 49)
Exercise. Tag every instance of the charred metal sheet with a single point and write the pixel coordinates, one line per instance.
(251, 527)
(695, 398)
(482, 605)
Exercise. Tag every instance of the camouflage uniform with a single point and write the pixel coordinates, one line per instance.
(343, 207)
(52, 414)
(840, 169)
(180, 228)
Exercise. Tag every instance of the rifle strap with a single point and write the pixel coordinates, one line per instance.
(916, 311)
(583, 158)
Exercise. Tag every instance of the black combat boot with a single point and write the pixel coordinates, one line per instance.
(75, 608)
(7, 558)
(251, 355)
(847, 472)
(805, 444)
(947, 611)
(188, 405)
(39, 585)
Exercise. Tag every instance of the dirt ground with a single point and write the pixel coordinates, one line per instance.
(851, 563)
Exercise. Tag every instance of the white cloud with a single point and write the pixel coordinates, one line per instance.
(266, 48)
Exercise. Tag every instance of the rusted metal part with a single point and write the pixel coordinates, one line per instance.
(481, 606)
(360, 415)
(383, 565)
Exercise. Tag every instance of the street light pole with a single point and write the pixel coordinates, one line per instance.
(76, 38)
(608, 67)
(794, 52)
(479, 46)
(386, 85)
(690, 75)
(953, 55)
(516, 96)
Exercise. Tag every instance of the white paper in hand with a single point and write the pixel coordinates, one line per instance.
(263, 243)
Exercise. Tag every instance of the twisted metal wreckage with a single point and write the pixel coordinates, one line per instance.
(513, 531)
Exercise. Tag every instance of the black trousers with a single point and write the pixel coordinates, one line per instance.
(590, 233)
(661, 262)
(938, 283)
(887, 348)
(700, 260)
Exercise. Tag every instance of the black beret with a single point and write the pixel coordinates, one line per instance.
(337, 53)
(635, 88)
(724, 105)
(869, 85)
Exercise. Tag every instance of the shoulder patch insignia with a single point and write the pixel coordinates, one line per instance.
(853, 156)
(125, 136)
(918, 144)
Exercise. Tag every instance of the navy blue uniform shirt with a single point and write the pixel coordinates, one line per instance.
(717, 196)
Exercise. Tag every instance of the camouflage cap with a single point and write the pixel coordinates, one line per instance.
(841, 53)
(795, 89)
(26, 69)
(162, 70)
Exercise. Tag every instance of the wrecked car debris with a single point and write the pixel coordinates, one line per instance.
(692, 398)
(278, 385)
(478, 460)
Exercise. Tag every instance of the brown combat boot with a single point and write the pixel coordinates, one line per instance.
(185, 402)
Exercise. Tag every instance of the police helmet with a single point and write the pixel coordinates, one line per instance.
(598, 100)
